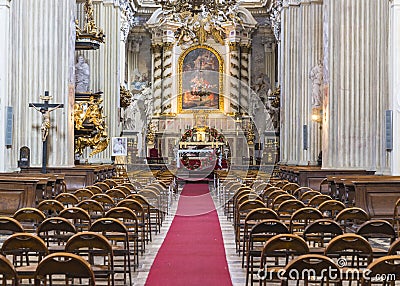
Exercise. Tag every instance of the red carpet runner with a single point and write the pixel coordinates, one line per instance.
(193, 251)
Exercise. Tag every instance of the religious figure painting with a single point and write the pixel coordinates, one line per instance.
(119, 146)
(200, 83)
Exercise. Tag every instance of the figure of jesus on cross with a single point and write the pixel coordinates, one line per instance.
(45, 109)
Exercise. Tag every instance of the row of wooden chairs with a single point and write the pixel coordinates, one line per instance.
(107, 238)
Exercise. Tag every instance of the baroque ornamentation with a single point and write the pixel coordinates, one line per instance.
(275, 16)
(197, 20)
(125, 97)
(127, 18)
(90, 31)
(89, 121)
(151, 133)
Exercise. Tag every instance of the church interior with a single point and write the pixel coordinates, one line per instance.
(188, 142)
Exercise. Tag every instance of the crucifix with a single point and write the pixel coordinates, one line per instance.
(45, 109)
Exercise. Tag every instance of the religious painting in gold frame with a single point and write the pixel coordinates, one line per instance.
(200, 80)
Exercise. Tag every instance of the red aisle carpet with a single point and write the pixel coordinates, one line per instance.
(193, 251)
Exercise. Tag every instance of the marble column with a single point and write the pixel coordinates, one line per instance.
(394, 84)
(105, 69)
(234, 76)
(301, 48)
(4, 72)
(167, 79)
(356, 83)
(42, 58)
(157, 77)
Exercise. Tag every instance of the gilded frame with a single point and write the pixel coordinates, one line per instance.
(220, 81)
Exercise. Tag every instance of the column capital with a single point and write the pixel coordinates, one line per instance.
(5, 3)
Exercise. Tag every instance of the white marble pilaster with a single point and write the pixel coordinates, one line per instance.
(244, 77)
(269, 52)
(41, 59)
(4, 72)
(356, 88)
(394, 84)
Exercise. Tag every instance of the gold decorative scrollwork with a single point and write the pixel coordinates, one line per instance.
(125, 97)
(90, 124)
(90, 30)
(151, 133)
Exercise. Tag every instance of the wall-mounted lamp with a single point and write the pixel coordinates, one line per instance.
(316, 115)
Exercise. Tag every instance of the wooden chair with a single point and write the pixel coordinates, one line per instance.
(240, 216)
(290, 187)
(300, 191)
(352, 252)
(271, 197)
(381, 229)
(97, 250)
(277, 253)
(312, 268)
(8, 272)
(103, 186)
(9, 225)
(105, 200)
(55, 231)
(265, 193)
(331, 208)
(143, 218)
(64, 264)
(116, 232)
(286, 209)
(94, 189)
(126, 190)
(319, 232)
(29, 218)
(301, 218)
(78, 216)
(93, 208)
(387, 268)
(315, 201)
(396, 217)
(67, 199)
(307, 196)
(116, 194)
(131, 222)
(280, 199)
(50, 207)
(258, 235)
(394, 248)
(252, 218)
(26, 250)
(351, 218)
(83, 194)
(154, 200)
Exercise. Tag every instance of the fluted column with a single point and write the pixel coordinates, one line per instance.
(244, 77)
(4, 72)
(167, 79)
(42, 58)
(356, 45)
(301, 50)
(311, 56)
(394, 91)
(234, 76)
(157, 77)
(291, 43)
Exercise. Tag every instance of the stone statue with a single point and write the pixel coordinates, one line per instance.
(262, 86)
(316, 88)
(82, 75)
